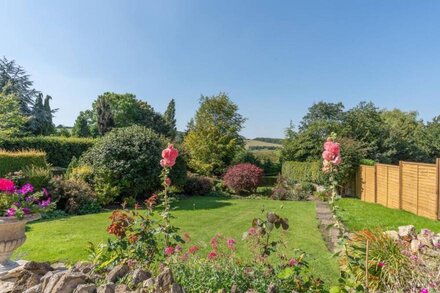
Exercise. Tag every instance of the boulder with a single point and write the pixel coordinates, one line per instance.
(121, 288)
(149, 283)
(40, 268)
(25, 280)
(176, 288)
(164, 280)
(6, 287)
(139, 276)
(82, 267)
(116, 273)
(68, 282)
(415, 245)
(85, 288)
(407, 233)
(34, 289)
(106, 288)
(50, 280)
(392, 234)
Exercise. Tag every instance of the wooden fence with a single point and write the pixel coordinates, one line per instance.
(413, 187)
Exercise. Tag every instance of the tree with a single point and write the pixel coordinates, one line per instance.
(104, 115)
(430, 142)
(326, 114)
(81, 127)
(38, 118)
(14, 80)
(170, 120)
(213, 140)
(12, 120)
(49, 127)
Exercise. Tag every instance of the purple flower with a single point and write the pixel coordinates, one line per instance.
(45, 192)
(25, 189)
(26, 211)
(17, 204)
(45, 203)
(381, 264)
(11, 212)
(424, 290)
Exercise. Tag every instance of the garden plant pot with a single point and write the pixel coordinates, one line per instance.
(12, 236)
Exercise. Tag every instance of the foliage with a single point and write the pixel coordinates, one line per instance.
(19, 160)
(178, 173)
(303, 172)
(104, 115)
(59, 150)
(170, 120)
(198, 185)
(213, 139)
(270, 140)
(243, 178)
(12, 120)
(367, 162)
(38, 176)
(73, 196)
(41, 116)
(281, 193)
(18, 201)
(125, 159)
(81, 127)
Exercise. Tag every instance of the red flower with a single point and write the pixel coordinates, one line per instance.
(193, 249)
(231, 242)
(6, 185)
(169, 156)
(212, 255)
(169, 250)
(151, 201)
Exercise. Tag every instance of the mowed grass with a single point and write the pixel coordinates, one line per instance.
(358, 215)
(201, 217)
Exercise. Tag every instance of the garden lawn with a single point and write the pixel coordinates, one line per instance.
(201, 217)
(358, 215)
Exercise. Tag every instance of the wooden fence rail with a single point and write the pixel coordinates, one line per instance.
(413, 187)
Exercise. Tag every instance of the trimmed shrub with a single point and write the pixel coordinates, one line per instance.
(198, 185)
(59, 150)
(367, 162)
(243, 178)
(73, 196)
(303, 171)
(18, 160)
(125, 161)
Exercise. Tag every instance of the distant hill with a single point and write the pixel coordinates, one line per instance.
(270, 140)
(253, 144)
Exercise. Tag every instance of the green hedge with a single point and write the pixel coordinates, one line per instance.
(59, 150)
(16, 161)
(303, 171)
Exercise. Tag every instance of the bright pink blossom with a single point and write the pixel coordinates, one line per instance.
(6, 185)
(169, 156)
(178, 248)
(212, 255)
(11, 212)
(252, 231)
(25, 189)
(293, 262)
(381, 264)
(424, 290)
(336, 161)
(328, 156)
(332, 147)
(169, 250)
(231, 243)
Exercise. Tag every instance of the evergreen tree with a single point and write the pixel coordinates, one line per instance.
(104, 115)
(38, 119)
(170, 120)
(81, 127)
(49, 127)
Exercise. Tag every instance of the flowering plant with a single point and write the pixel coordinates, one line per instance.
(20, 201)
(331, 159)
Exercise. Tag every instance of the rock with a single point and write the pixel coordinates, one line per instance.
(106, 288)
(176, 288)
(82, 267)
(392, 234)
(39, 268)
(436, 241)
(121, 288)
(117, 273)
(407, 233)
(234, 289)
(426, 232)
(50, 280)
(6, 287)
(139, 275)
(85, 288)
(165, 280)
(25, 280)
(59, 266)
(149, 283)
(68, 282)
(415, 245)
(34, 289)
(272, 288)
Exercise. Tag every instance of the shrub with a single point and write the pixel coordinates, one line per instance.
(178, 173)
(265, 191)
(243, 178)
(308, 187)
(39, 177)
(59, 150)
(18, 160)
(73, 196)
(300, 193)
(126, 160)
(303, 171)
(367, 162)
(281, 193)
(198, 185)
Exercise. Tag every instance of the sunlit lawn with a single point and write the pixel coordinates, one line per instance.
(202, 217)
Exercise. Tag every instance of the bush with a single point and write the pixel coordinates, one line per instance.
(18, 160)
(243, 178)
(281, 193)
(303, 171)
(178, 173)
(59, 150)
(308, 187)
(367, 162)
(39, 177)
(73, 196)
(198, 185)
(126, 160)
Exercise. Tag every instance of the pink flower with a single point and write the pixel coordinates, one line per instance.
(381, 264)
(178, 248)
(193, 249)
(169, 250)
(328, 156)
(25, 189)
(424, 290)
(11, 212)
(231, 243)
(169, 156)
(6, 185)
(46, 194)
(332, 147)
(252, 231)
(213, 242)
(293, 262)
(168, 181)
(185, 256)
(336, 161)
(45, 203)
(212, 255)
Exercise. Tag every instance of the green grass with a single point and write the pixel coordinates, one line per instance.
(358, 215)
(202, 217)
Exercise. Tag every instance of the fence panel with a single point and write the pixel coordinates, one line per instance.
(393, 187)
(410, 184)
(427, 188)
(382, 184)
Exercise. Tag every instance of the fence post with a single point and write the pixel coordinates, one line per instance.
(400, 185)
(437, 176)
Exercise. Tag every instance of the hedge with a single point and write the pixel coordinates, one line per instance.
(59, 150)
(16, 161)
(303, 171)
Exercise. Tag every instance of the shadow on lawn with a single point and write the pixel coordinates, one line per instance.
(201, 203)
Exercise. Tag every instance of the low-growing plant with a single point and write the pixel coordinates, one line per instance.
(243, 178)
(281, 193)
(198, 185)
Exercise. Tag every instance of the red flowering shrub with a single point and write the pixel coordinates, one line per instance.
(243, 178)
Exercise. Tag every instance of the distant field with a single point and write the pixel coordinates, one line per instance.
(258, 143)
(272, 155)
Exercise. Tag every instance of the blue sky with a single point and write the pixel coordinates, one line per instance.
(274, 58)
